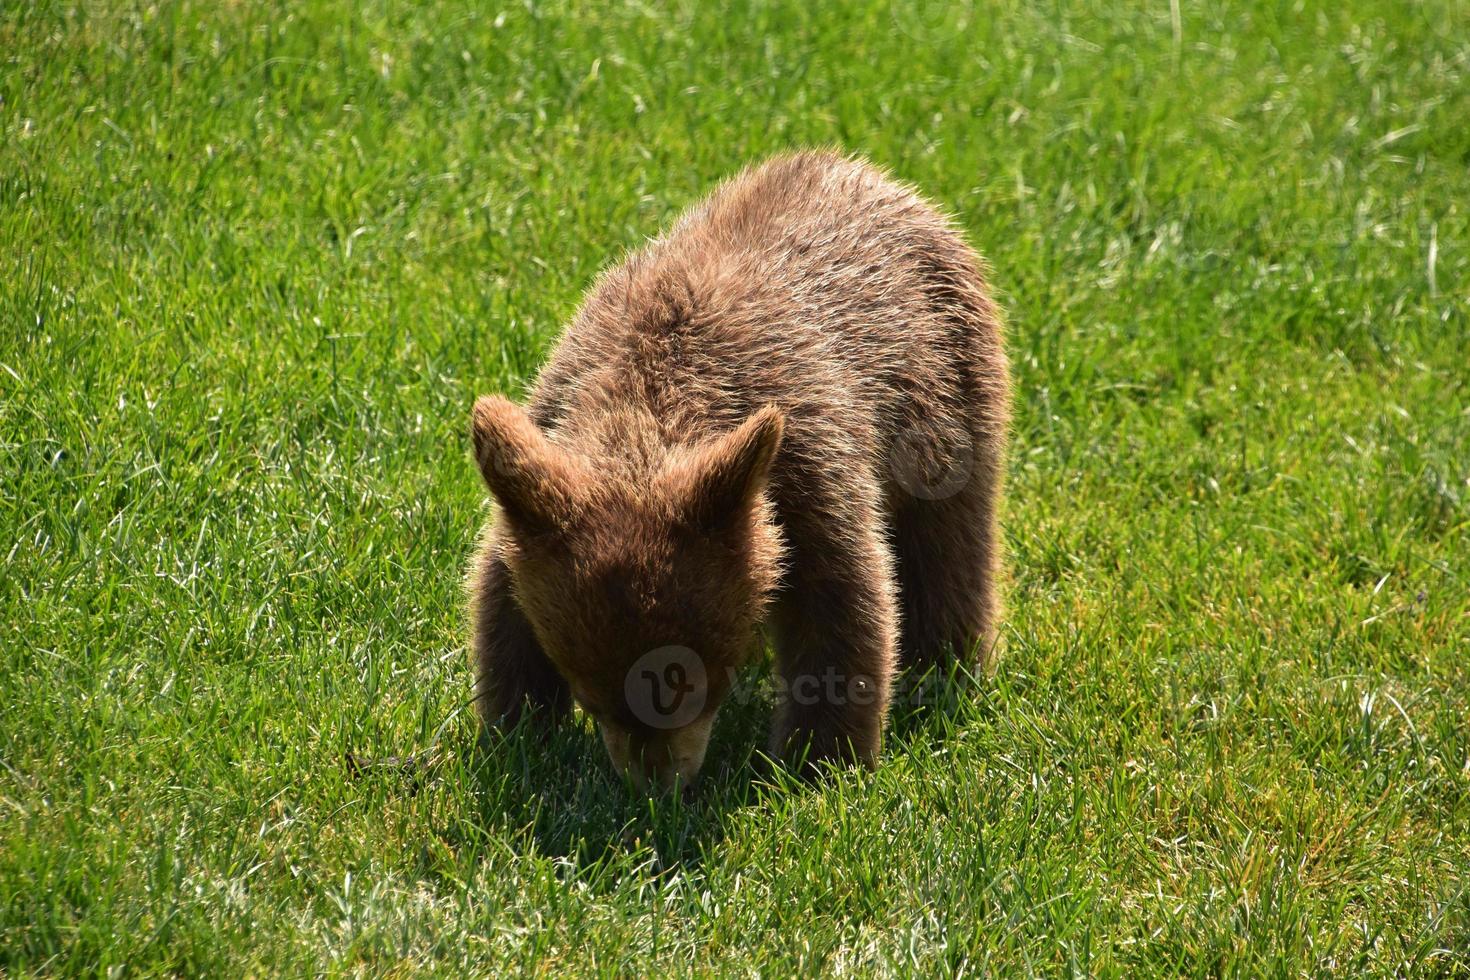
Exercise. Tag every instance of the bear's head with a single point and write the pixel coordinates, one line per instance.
(645, 584)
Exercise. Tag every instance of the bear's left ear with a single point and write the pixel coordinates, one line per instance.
(720, 480)
(537, 483)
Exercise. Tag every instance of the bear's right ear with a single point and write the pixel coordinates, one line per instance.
(535, 482)
(723, 479)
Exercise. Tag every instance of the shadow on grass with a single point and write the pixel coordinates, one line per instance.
(560, 794)
(926, 705)
(556, 794)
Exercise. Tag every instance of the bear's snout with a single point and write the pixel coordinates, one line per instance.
(659, 760)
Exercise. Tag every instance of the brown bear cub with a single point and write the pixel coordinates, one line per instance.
(788, 412)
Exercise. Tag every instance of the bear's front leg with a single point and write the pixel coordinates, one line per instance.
(513, 677)
(836, 636)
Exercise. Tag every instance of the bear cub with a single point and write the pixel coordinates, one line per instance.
(784, 418)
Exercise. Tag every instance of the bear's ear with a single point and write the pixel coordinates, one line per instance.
(721, 480)
(536, 483)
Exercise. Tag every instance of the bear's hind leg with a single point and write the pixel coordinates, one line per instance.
(948, 550)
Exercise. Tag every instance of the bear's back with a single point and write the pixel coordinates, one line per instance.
(812, 281)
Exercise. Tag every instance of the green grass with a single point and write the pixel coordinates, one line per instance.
(256, 262)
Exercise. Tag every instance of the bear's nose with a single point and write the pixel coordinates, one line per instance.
(655, 768)
(662, 760)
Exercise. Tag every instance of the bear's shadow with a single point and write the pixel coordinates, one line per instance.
(559, 793)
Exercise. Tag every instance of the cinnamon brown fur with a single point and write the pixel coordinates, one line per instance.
(789, 410)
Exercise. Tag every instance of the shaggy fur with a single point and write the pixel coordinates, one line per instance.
(789, 410)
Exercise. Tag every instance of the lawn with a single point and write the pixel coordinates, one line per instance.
(256, 261)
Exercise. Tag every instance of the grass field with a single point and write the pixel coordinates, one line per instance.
(256, 261)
